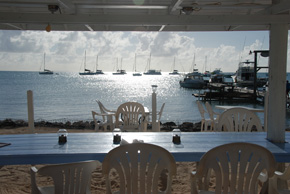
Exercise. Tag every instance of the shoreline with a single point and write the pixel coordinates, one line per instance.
(90, 125)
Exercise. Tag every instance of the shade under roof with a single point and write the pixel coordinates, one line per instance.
(143, 15)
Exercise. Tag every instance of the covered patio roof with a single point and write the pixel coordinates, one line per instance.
(143, 15)
(169, 15)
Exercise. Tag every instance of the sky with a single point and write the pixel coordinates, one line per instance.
(65, 51)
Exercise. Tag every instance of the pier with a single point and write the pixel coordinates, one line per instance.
(222, 92)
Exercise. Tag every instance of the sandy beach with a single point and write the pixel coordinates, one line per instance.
(15, 179)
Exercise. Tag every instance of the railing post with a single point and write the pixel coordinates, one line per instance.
(30, 110)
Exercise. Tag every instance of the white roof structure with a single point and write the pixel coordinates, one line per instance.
(169, 15)
(143, 15)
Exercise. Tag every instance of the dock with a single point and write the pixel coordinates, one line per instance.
(222, 92)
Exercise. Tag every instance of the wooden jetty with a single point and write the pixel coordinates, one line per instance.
(221, 92)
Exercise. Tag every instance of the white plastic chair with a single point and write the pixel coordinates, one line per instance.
(239, 120)
(104, 110)
(204, 122)
(139, 167)
(280, 176)
(107, 120)
(235, 167)
(159, 115)
(72, 178)
(131, 116)
(214, 116)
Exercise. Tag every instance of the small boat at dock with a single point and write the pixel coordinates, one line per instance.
(245, 75)
(193, 80)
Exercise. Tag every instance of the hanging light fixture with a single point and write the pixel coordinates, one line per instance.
(48, 28)
(52, 9)
(186, 10)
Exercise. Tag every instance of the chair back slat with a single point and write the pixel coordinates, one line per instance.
(129, 115)
(72, 178)
(236, 167)
(140, 165)
(239, 120)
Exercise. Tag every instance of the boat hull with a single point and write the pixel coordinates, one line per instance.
(137, 74)
(87, 73)
(152, 72)
(193, 84)
(46, 73)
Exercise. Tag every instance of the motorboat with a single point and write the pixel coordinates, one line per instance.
(193, 80)
(219, 77)
(206, 76)
(245, 75)
(45, 71)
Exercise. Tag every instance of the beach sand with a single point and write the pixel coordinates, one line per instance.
(15, 179)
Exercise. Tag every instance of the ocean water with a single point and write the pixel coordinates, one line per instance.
(71, 97)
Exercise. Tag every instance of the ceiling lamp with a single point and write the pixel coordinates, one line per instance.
(53, 8)
(48, 28)
(186, 10)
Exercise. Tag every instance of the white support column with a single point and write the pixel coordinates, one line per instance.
(30, 110)
(155, 126)
(277, 83)
(154, 112)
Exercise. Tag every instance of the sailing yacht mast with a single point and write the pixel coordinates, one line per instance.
(97, 63)
(85, 60)
(149, 61)
(44, 62)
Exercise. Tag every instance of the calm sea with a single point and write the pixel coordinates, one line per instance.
(71, 97)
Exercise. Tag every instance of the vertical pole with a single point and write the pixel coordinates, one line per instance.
(277, 83)
(30, 110)
(266, 104)
(255, 78)
(154, 124)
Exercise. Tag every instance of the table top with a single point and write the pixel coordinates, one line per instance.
(44, 148)
(229, 107)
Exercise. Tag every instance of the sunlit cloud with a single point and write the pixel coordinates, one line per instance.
(65, 51)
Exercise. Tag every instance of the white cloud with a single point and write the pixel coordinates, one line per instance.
(23, 50)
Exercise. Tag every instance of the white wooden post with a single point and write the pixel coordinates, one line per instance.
(154, 107)
(266, 104)
(30, 110)
(277, 83)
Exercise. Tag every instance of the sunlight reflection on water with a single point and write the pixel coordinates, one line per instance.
(71, 96)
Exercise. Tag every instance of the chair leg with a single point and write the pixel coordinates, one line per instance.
(202, 126)
(206, 126)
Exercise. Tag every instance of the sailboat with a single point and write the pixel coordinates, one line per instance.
(45, 71)
(174, 72)
(136, 73)
(98, 71)
(151, 71)
(120, 71)
(87, 71)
